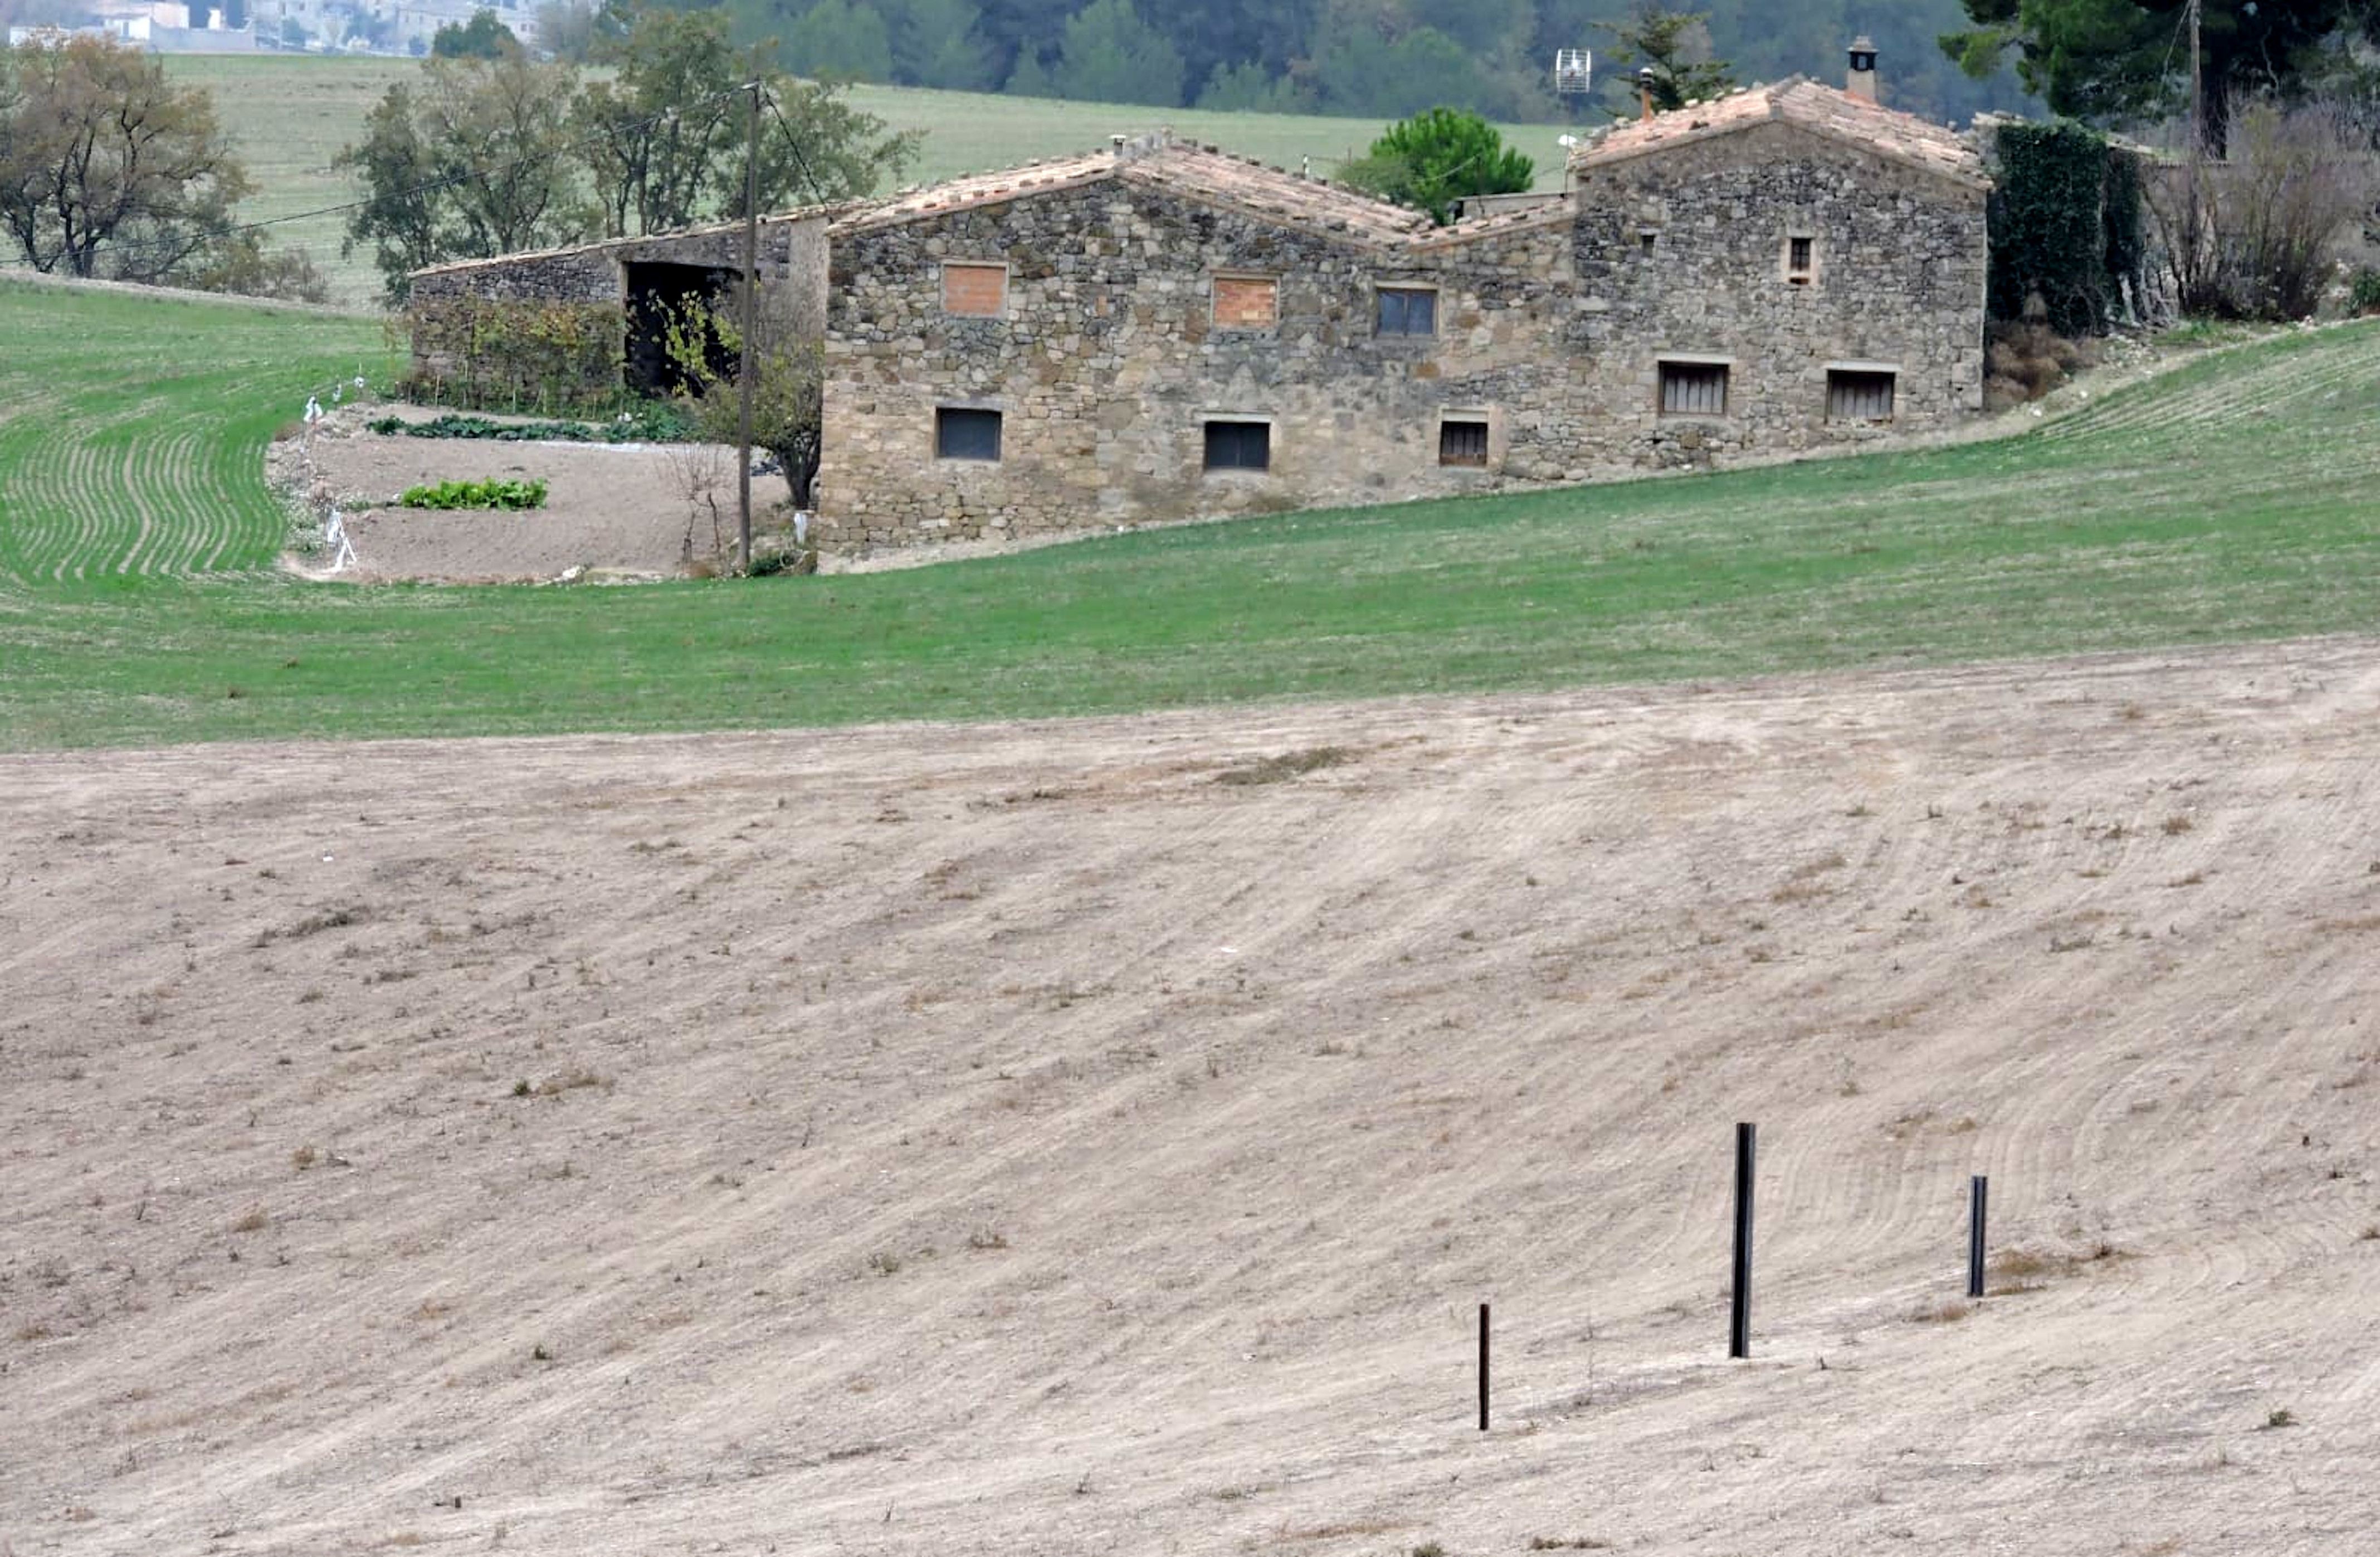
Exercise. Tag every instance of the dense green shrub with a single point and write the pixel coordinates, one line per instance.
(477, 495)
(2363, 291)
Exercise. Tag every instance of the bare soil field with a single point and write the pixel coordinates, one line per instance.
(1095, 1136)
(643, 510)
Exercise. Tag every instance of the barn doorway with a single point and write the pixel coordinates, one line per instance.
(658, 294)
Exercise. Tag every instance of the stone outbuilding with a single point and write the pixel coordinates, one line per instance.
(1160, 331)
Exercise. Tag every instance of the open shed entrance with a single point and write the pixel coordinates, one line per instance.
(658, 294)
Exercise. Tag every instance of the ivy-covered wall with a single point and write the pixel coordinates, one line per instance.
(2065, 223)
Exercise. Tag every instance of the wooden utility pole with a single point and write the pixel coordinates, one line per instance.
(2197, 92)
(751, 322)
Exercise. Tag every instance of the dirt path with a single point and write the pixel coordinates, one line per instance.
(1016, 1140)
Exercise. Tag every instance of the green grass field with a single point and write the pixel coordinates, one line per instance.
(290, 115)
(2236, 499)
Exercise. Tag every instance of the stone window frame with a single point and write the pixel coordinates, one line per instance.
(1492, 458)
(942, 274)
(1436, 296)
(1000, 433)
(1270, 422)
(1804, 277)
(1668, 360)
(1887, 371)
(1214, 297)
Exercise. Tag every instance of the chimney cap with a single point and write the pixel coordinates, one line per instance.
(1862, 52)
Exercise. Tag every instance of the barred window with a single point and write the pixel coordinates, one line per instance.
(1856, 395)
(1693, 389)
(1800, 261)
(1462, 440)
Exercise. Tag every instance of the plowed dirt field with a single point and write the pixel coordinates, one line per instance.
(1095, 1136)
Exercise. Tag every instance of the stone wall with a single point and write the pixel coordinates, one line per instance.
(550, 329)
(1114, 347)
(1686, 253)
(1109, 360)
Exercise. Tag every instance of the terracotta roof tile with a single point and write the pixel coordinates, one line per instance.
(1180, 167)
(1823, 109)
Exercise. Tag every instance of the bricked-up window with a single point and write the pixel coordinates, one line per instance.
(1247, 302)
(962, 433)
(1693, 389)
(1238, 446)
(1462, 440)
(977, 290)
(1858, 395)
(1408, 310)
(1800, 261)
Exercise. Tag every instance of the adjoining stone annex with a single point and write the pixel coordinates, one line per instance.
(1159, 331)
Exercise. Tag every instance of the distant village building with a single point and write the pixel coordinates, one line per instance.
(1160, 331)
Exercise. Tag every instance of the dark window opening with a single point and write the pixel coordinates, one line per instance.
(1238, 446)
(1859, 396)
(1800, 257)
(1461, 443)
(963, 433)
(660, 297)
(1693, 389)
(1647, 239)
(1407, 312)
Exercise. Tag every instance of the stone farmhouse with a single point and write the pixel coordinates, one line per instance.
(1160, 331)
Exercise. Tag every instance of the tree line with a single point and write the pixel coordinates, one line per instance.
(481, 156)
(1366, 58)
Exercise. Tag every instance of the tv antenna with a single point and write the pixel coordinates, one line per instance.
(1573, 72)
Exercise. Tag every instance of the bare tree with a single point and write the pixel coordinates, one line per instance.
(2254, 237)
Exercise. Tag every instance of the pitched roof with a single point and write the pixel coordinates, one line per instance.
(606, 245)
(1178, 166)
(1824, 110)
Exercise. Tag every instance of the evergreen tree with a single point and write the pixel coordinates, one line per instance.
(2118, 60)
(940, 43)
(483, 37)
(842, 41)
(1436, 158)
(1109, 55)
(1676, 47)
(1246, 88)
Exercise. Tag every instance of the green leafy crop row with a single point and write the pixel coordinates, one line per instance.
(477, 495)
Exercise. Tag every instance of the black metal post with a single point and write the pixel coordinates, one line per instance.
(1739, 1326)
(1482, 1367)
(1979, 1191)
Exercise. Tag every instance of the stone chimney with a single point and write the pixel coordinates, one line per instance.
(1862, 79)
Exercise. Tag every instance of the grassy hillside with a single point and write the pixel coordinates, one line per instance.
(2233, 500)
(290, 115)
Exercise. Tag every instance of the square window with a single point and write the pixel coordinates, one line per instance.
(978, 291)
(960, 432)
(1462, 440)
(1408, 310)
(1247, 302)
(1238, 446)
(1859, 396)
(1693, 389)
